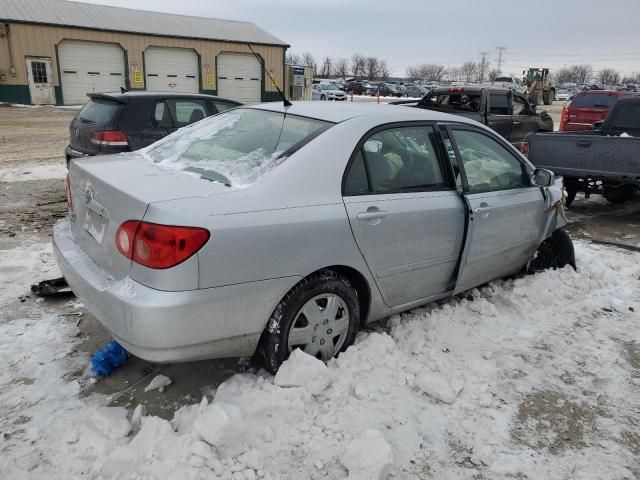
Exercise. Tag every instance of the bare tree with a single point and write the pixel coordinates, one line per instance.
(564, 75)
(430, 72)
(468, 71)
(309, 60)
(293, 58)
(454, 74)
(582, 73)
(493, 74)
(608, 76)
(357, 65)
(327, 67)
(385, 71)
(372, 68)
(342, 67)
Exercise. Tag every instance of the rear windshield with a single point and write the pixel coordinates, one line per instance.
(594, 100)
(99, 111)
(236, 147)
(504, 79)
(462, 102)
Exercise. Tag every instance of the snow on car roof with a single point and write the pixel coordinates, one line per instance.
(338, 112)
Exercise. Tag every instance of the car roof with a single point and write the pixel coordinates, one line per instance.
(471, 89)
(338, 112)
(123, 97)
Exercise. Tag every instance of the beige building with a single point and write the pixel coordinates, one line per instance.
(55, 52)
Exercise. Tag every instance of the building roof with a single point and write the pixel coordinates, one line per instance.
(102, 17)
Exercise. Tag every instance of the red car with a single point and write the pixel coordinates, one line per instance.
(588, 107)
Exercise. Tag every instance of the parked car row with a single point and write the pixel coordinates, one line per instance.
(272, 227)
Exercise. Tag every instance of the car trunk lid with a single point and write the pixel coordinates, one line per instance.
(107, 191)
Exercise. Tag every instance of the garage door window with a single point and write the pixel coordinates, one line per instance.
(186, 112)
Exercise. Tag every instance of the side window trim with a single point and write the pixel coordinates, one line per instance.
(458, 126)
(442, 161)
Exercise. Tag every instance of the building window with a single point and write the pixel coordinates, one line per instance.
(39, 72)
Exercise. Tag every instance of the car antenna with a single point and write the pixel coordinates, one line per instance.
(286, 102)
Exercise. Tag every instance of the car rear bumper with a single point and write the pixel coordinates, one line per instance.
(70, 154)
(162, 326)
(578, 127)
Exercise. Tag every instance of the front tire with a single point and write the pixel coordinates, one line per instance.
(320, 315)
(555, 252)
(322, 97)
(617, 195)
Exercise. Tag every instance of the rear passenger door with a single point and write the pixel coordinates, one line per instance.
(405, 214)
(506, 212)
(499, 113)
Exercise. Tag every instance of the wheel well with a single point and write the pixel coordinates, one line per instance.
(361, 286)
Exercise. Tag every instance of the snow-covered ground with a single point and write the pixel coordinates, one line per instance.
(536, 377)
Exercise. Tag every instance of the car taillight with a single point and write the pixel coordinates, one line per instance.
(159, 246)
(524, 148)
(113, 138)
(564, 118)
(455, 89)
(68, 192)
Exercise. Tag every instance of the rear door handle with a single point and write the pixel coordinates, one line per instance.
(372, 215)
(583, 143)
(515, 122)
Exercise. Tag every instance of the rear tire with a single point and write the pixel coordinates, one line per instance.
(572, 191)
(549, 97)
(555, 252)
(322, 97)
(320, 315)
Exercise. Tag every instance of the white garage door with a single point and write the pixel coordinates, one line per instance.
(171, 70)
(239, 77)
(88, 67)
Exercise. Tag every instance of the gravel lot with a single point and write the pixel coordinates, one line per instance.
(547, 422)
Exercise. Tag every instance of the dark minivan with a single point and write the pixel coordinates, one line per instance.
(127, 121)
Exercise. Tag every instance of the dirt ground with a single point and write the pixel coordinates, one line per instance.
(28, 209)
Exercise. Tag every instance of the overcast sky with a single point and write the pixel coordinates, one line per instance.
(552, 33)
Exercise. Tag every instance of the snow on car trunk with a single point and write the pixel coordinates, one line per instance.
(532, 377)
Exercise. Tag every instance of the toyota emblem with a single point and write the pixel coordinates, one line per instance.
(77, 132)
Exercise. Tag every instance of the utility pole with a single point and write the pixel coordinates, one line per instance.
(500, 52)
(482, 66)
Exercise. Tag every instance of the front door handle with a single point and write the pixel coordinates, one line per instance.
(483, 210)
(515, 122)
(372, 215)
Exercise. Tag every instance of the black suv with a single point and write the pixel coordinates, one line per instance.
(122, 122)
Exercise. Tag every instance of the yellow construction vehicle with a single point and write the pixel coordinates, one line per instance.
(540, 88)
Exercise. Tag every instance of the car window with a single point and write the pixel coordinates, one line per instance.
(223, 106)
(187, 111)
(593, 100)
(399, 159)
(463, 102)
(519, 106)
(356, 182)
(488, 165)
(99, 111)
(499, 104)
(161, 116)
(626, 116)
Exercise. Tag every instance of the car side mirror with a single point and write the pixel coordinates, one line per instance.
(542, 177)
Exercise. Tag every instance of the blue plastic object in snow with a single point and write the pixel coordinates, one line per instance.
(108, 359)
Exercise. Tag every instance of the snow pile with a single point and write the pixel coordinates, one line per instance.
(303, 370)
(368, 458)
(112, 422)
(533, 377)
(23, 266)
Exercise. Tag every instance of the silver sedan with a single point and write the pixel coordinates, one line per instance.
(269, 228)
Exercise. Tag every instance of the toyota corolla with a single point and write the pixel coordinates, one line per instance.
(271, 227)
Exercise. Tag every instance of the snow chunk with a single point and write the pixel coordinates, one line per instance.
(220, 424)
(159, 382)
(253, 459)
(369, 457)
(303, 370)
(112, 422)
(437, 386)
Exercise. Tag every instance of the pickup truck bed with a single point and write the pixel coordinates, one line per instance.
(611, 158)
